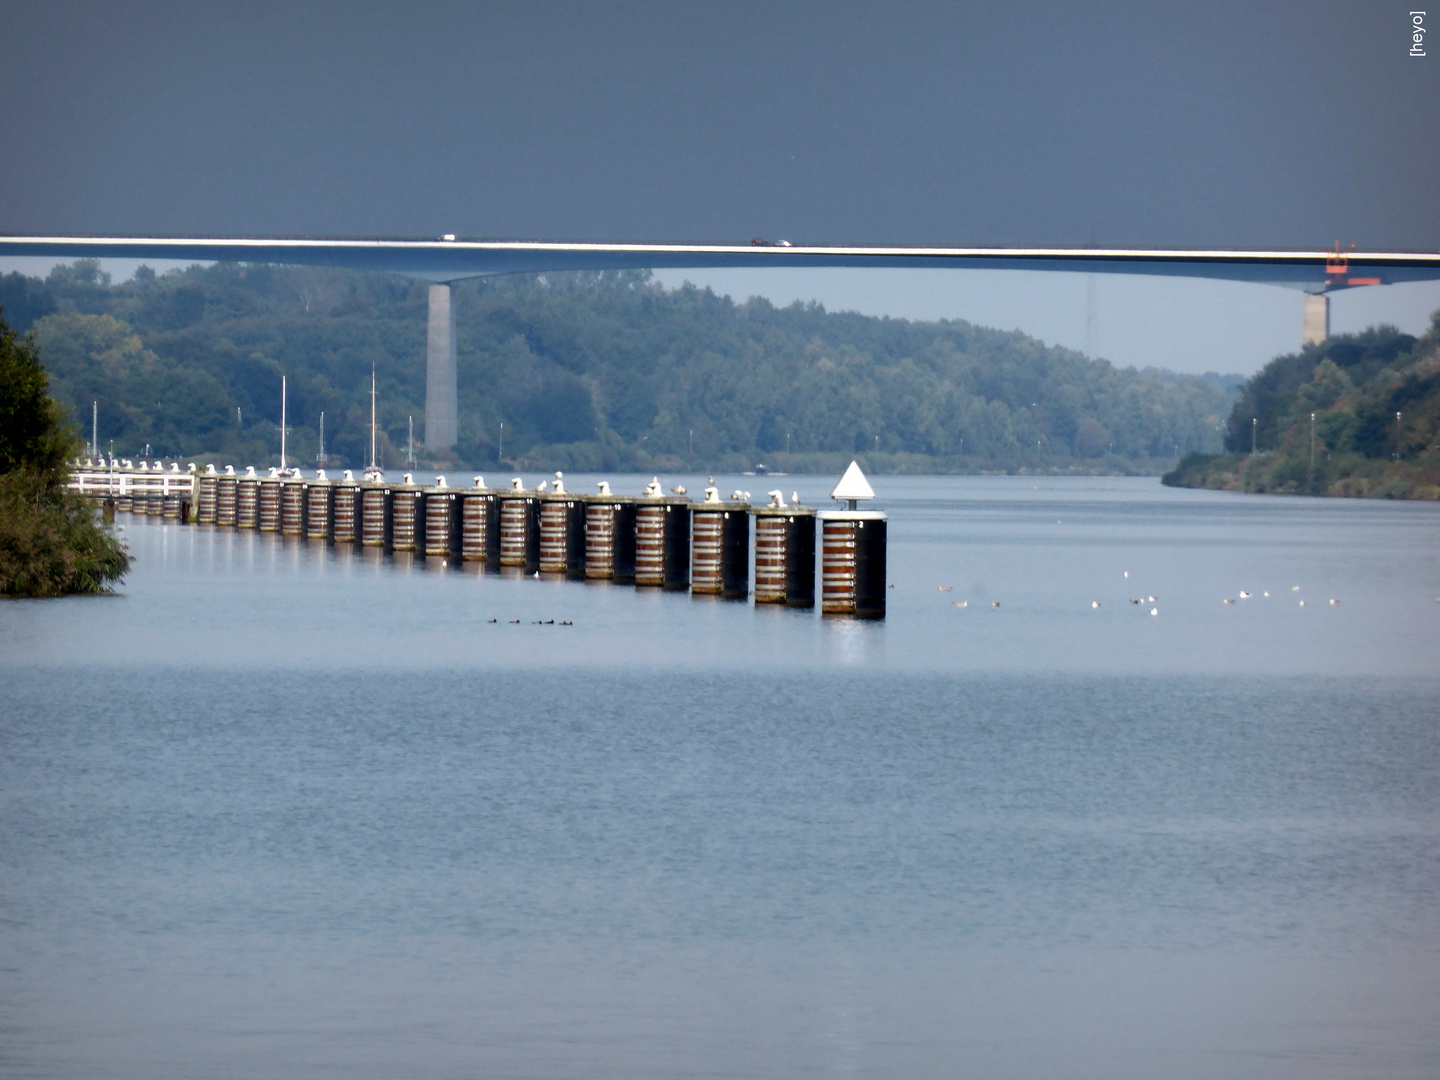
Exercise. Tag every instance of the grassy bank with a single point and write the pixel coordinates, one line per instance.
(1339, 475)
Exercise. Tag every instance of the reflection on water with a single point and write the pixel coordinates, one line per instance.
(1045, 553)
(284, 810)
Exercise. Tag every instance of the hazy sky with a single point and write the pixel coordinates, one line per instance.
(1238, 124)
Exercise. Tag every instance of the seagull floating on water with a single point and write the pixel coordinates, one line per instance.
(1244, 595)
(946, 588)
(1094, 604)
(958, 603)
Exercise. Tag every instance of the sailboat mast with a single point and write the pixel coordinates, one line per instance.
(282, 423)
(372, 418)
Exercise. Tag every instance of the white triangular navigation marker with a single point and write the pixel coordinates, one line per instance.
(853, 485)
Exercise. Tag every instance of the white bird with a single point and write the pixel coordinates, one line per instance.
(1094, 603)
(679, 489)
(995, 603)
(1227, 600)
(794, 498)
(1154, 611)
(1244, 595)
(604, 487)
(1294, 588)
(958, 603)
(1302, 603)
(946, 588)
(1264, 594)
(1334, 603)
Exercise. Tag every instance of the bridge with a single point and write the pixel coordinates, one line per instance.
(447, 260)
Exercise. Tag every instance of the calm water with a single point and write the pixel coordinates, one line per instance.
(277, 811)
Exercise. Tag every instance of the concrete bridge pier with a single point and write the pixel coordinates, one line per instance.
(440, 379)
(1317, 319)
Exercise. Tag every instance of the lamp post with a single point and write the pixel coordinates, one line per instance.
(1254, 425)
(1312, 448)
(1397, 436)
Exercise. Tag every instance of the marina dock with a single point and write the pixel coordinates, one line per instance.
(647, 540)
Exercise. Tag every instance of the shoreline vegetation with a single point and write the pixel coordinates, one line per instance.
(52, 542)
(585, 372)
(1357, 416)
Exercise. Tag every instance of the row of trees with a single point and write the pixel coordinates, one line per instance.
(1375, 402)
(604, 368)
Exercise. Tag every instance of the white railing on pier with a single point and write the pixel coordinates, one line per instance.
(115, 478)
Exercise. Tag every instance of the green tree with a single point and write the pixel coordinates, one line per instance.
(34, 436)
(51, 542)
